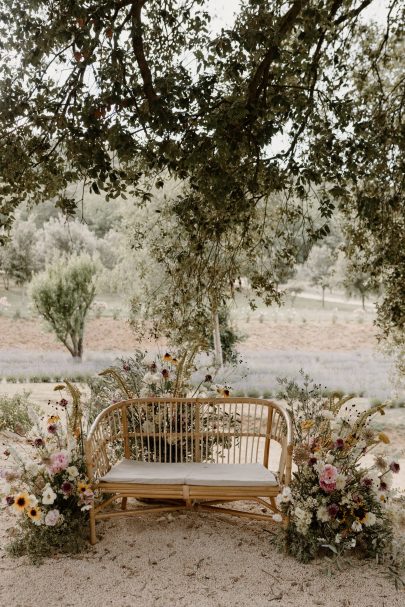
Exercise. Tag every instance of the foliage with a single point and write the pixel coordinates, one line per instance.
(48, 491)
(18, 259)
(63, 295)
(14, 413)
(320, 268)
(333, 501)
(353, 275)
(148, 87)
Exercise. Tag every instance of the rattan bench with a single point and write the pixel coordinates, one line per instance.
(188, 453)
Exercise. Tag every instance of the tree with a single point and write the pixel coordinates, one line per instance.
(63, 295)
(352, 274)
(18, 258)
(103, 93)
(320, 268)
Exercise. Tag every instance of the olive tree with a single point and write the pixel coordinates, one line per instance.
(62, 295)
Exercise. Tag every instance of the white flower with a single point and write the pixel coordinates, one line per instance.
(151, 378)
(277, 518)
(303, 520)
(370, 519)
(284, 497)
(72, 472)
(33, 500)
(52, 517)
(326, 414)
(329, 459)
(356, 526)
(352, 543)
(338, 538)
(322, 514)
(340, 482)
(48, 495)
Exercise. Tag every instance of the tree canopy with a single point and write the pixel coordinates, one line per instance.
(297, 99)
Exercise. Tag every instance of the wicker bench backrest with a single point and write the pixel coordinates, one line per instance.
(220, 430)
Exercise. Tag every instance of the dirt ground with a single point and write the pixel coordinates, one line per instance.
(106, 334)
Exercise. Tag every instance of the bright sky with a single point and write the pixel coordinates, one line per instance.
(223, 10)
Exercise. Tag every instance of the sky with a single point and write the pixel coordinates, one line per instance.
(223, 10)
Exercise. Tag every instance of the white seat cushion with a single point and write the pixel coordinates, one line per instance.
(233, 475)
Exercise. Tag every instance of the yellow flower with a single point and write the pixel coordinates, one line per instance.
(307, 424)
(383, 438)
(35, 514)
(174, 361)
(167, 357)
(82, 487)
(21, 501)
(54, 419)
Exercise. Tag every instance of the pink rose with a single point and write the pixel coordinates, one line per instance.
(59, 462)
(327, 478)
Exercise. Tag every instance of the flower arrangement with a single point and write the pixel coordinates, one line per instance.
(169, 376)
(335, 501)
(46, 485)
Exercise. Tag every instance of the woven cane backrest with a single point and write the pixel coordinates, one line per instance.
(221, 430)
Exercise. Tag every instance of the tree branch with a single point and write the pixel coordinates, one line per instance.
(285, 26)
(353, 13)
(139, 50)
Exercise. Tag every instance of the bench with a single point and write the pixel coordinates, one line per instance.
(199, 454)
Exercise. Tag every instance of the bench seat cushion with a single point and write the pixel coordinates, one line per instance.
(232, 475)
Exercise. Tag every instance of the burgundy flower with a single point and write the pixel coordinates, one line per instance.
(394, 467)
(165, 373)
(153, 367)
(38, 442)
(333, 509)
(63, 402)
(208, 378)
(312, 461)
(52, 428)
(6, 452)
(383, 485)
(126, 367)
(339, 443)
(367, 482)
(9, 500)
(67, 487)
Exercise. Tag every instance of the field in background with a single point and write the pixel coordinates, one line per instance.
(336, 345)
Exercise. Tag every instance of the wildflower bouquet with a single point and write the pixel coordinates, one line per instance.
(335, 501)
(47, 489)
(163, 376)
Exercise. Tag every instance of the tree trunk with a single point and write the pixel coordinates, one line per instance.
(363, 300)
(218, 357)
(323, 297)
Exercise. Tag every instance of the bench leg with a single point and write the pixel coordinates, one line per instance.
(92, 518)
(124, 503)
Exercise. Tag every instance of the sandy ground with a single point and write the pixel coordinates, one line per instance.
(106, 334)
(189, 560)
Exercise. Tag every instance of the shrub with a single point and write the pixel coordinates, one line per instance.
(63, 295)
(13, 413)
